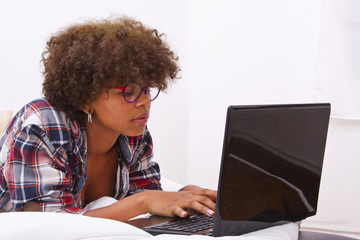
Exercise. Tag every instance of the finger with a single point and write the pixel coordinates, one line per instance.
(178, 211)
(198, 207)
(207, 202)
(207, 192)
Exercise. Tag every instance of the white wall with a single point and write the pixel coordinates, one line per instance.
(248, 52)
(232, 52)
(244, 52)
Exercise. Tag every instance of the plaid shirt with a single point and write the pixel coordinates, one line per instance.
(43, 160)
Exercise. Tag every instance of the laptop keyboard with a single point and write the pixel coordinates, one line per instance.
(191, 224)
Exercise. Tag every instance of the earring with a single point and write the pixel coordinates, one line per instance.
(89, 117)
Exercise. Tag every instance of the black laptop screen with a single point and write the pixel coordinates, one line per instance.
(272, 162)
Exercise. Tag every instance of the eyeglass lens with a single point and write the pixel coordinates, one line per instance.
(133, 92)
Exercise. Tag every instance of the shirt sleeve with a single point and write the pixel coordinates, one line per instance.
(38, 172)
(144, 173)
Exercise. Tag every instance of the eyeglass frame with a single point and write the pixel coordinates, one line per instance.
(145, 89)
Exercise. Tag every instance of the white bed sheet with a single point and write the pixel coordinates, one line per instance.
(46, 226)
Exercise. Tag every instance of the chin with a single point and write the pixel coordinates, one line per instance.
(136, 133)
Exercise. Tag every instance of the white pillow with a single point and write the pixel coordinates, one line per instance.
(45, 225)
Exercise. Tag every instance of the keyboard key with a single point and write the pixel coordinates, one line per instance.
(192, 224)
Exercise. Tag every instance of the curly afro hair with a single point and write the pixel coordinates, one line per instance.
(83, 59)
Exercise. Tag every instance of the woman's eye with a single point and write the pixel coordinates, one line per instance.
(128, 93)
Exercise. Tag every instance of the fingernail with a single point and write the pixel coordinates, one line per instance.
(183, 214)
(209, 212)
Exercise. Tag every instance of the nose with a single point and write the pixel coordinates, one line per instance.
(144, 99)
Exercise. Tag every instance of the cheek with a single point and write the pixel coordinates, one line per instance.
(109, 111)
(115, 114)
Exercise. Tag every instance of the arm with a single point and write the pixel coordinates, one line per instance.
(161, 203)
(37, 173)
(145, 195)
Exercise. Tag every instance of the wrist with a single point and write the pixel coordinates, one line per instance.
(142, 200)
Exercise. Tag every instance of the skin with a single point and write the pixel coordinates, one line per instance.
(112, 116)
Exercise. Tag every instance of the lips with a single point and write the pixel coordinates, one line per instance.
(141, 119)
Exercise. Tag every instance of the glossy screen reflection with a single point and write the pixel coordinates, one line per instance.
(273, 164)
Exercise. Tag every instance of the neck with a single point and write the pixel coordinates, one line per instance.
(99, 141)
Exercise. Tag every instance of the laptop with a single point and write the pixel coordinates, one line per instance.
(270, 171)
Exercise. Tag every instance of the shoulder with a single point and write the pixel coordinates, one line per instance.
(41, 113)
(39, 117)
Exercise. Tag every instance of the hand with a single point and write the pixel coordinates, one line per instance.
(176, 203)
(190, 188)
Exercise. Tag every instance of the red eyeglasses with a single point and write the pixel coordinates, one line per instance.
(132, 91)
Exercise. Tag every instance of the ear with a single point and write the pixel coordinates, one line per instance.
(87, 109)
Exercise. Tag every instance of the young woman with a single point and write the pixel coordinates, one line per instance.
(88, 137)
